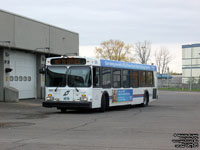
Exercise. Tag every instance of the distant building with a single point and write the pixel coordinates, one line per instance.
(24, 45)
(191, 63)
(164, 76)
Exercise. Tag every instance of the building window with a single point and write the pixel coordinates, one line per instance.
(20, 78)
(11, 78)
(25, 78)
(29, 78)
(16, 78)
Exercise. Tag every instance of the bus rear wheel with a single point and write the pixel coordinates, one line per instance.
(145, 100)
(63, 110)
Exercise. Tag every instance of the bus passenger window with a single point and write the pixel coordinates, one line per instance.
(126, 78)
(116, 78)
(134, 79)
(96, 77)
(106, 77)
(149, 78)
(142, 78)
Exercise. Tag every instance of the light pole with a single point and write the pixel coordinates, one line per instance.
(191, 71)
(168, 77)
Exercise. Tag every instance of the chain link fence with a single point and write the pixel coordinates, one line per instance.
(181, 83)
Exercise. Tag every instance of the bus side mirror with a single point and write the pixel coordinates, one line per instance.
(42, 70)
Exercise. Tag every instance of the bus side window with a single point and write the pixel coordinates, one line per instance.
(116, 76)
(96, 77)
(149, 78)
(142, 78)
(134, 79)
(126, 78)
(106, 77)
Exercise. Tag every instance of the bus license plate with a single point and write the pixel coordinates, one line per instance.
(66, 98)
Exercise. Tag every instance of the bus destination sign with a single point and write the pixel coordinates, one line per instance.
(68, 61)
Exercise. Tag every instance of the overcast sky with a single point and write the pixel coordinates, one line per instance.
(158, 21)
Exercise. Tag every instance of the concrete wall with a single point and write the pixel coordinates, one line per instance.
(64, 42)
(11, 94)
(24, 33)
(30, 34)
(1, 75)
(40, 77)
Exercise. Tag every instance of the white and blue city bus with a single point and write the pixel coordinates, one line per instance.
(80, 82)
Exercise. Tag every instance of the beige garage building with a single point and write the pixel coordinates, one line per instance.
(24, 45)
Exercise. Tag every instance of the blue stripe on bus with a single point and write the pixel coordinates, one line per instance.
(138, 95)
(126, 65)
(134, 96)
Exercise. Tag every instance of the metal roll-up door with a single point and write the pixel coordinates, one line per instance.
(23, 75)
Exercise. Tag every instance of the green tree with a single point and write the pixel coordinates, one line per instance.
(115, 50)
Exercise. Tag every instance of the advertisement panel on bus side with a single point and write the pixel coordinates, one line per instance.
(122, 95)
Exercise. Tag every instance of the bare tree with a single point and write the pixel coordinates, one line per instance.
(114, 50)
(143, 51)
(162, 58)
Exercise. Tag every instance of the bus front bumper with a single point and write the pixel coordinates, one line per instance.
(69, 104)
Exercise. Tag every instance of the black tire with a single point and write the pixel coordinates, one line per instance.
(145, 100)
(63, 110)
(103, 104)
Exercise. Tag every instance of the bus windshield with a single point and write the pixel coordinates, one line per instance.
(79, 77)
(56, 76)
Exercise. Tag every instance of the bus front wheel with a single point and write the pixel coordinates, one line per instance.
(104, 103)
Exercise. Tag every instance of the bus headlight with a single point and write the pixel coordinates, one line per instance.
(49, 98)
(84, 98)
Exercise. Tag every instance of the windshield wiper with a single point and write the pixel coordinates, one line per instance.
(58, 86)
(72, 85)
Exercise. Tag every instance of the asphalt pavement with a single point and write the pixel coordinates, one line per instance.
(28, 126)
